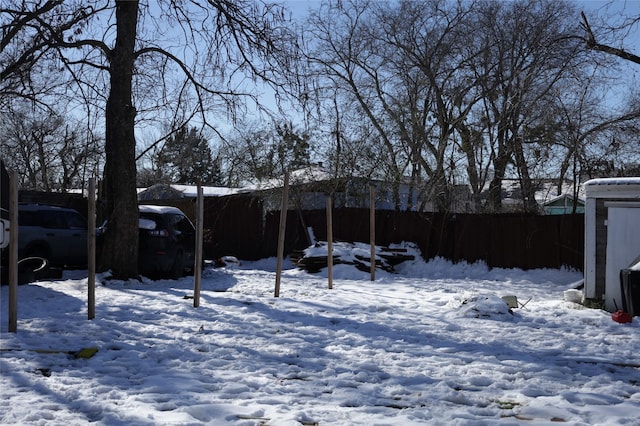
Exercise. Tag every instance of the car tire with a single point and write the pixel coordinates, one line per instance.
(177, 270)
(38, 251)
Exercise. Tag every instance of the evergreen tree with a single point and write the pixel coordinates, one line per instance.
(292, 147)
(186, 158)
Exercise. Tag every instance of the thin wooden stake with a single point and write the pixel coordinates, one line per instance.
(329, 243)
(283, 226)
(372, 230)
(91, 250)
(13, 252)
(197, 271)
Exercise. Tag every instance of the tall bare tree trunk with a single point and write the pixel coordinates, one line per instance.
(526, 185)
(120, 252)
(500, 162)
(468, 146)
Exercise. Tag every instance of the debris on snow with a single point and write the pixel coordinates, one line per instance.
(314, 258)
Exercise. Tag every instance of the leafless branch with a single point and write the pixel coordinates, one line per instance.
(592, 44)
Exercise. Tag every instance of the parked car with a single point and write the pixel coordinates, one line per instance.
(166, 242)
(54, 233)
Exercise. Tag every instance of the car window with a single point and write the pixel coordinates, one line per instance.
(27, 218)
(148, 222)
(181, 224)
(44, 219)
(75, 221)
(53, 219)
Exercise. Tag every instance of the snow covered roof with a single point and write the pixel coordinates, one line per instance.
(207, 191)
(613, 181)
(297, 177)
(163, 191)
(561, 198)
(148, 208)
(546, 190)
(622, 187)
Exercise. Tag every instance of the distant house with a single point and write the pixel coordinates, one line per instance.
(550, 197)
(563, 204)
(162, 191)
(310, 186)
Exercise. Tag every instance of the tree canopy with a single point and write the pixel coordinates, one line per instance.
(186, 158)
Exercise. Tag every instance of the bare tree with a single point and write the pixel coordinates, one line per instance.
(52, 151)
(187, 58)
(585, 130)
(433, 43)
(345, 62)
(400, 66)
(449, 84)
(28, 65)
(256, 152)
(528, 52)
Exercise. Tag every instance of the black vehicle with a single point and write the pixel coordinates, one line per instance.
(167, 242)
(56, 234)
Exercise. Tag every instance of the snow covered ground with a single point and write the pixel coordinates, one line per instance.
(431, 344)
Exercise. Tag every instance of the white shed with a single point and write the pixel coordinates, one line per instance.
(612, 236)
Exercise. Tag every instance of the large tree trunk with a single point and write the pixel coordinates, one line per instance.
(494, 198)
(526, 185)
(120, 252)
(468, 146)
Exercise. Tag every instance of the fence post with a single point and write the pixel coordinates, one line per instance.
(13, 252)
(91, 250)
(281, 232)
(372, 230)
(197, 271)
(329, 243)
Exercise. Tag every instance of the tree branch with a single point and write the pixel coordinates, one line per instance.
(593, 45)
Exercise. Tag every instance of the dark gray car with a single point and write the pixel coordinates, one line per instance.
(55, 233)
(167, 242)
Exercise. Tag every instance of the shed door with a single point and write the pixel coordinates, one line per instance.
(623, 247)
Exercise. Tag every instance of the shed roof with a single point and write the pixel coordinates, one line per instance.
(622, 187)
(561, 199)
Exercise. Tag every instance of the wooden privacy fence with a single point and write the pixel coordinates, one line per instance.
(237, 226)
(505, 241)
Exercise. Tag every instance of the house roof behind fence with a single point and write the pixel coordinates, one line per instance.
(296, 177)
(163, 191)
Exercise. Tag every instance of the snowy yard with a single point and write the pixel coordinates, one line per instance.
(431, 344)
